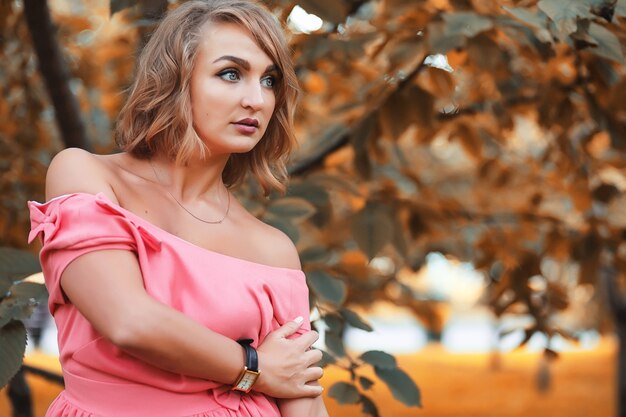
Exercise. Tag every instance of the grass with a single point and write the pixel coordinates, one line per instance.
(582, 384)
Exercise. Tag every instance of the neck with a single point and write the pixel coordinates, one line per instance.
(196, 180)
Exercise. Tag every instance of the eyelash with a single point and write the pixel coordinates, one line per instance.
(224, 75)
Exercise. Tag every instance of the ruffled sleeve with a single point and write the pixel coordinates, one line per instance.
(75, 224)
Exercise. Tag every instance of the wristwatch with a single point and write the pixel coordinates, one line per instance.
(250, 372)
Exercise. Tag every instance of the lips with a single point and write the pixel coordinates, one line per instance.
(247, 126)
(248, 122)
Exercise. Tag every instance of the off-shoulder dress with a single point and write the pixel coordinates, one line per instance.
(231, 296)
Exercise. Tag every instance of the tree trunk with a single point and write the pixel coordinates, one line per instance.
(55, 73)
(617, 303)
(621, 369)
(151, 11)
(19, 395)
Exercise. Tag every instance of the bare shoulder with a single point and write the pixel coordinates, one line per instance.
(282, 249)
(274, 246)
(75, 170)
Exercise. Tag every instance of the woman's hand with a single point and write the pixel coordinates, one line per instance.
(287, 364)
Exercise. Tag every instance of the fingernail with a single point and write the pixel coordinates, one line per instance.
(298, 319)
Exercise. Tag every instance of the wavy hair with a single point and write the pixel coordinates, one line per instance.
(157, 116)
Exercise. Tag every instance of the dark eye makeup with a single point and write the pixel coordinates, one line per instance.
(232, 75)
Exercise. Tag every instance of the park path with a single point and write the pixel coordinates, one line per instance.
(462, 385)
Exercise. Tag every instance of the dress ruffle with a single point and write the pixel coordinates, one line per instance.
(64, 407)
(75, 224)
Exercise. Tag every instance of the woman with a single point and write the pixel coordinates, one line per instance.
(154, 270)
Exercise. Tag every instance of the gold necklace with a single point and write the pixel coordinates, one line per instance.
(184, 208)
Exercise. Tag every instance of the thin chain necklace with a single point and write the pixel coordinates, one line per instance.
(185, 208)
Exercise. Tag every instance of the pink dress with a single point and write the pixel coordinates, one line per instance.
(232, 296)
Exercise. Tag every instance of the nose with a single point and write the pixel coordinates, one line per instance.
(253, 97)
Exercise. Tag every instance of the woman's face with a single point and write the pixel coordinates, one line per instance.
(232, 89)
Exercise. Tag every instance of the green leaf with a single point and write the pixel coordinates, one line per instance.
(313, 47)
(355, 320)
(28, 291)
(379, 359)
(119, 5)
(334, 343)
(396, 116)
(313, 193)
(366, 383)
(293, 208)
(401, 386)
(334, 323)
(609, 45)
(440, 41)
(15, 310)
(368, 407)
(533, 19)
(16, 264)
(315, 254)
(399, 240)
(22, 300)
(406, 51)
(284, 225)
(344, 393)
(372, 228)
(361, 139)
(408, 106)
(604, 9)
(467, 24)
(564, 13)
(327, 288)
(620, 8)
(327, 359)
(12, 347)
(581, 36)
(5, 284)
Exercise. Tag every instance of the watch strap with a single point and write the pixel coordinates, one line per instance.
(252, 358)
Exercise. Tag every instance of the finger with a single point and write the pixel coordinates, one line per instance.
(312, 357)
(311, 390)
(307, 339)
(312, 374)
(288, 328)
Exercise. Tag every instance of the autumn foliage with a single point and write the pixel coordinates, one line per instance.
(490, 131)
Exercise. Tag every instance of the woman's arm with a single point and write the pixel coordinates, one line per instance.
(303, 407)
(107, 289)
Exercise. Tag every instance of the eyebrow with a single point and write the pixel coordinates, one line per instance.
(243, 63)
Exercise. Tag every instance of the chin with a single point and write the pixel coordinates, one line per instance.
(243, 146)
(230, 148)
(245, 149)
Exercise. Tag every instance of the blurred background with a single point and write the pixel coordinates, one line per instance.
(457, 198)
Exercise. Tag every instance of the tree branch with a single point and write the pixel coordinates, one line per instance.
(342, 136)
(612, 293)
(484, 105)
(47, 375)
(55, 73)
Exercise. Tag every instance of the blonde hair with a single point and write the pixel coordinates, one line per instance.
(157, 116)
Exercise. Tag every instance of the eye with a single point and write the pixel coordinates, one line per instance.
(229, 75)
(269, 81)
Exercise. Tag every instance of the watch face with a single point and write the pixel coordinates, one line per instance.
(247, 381)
